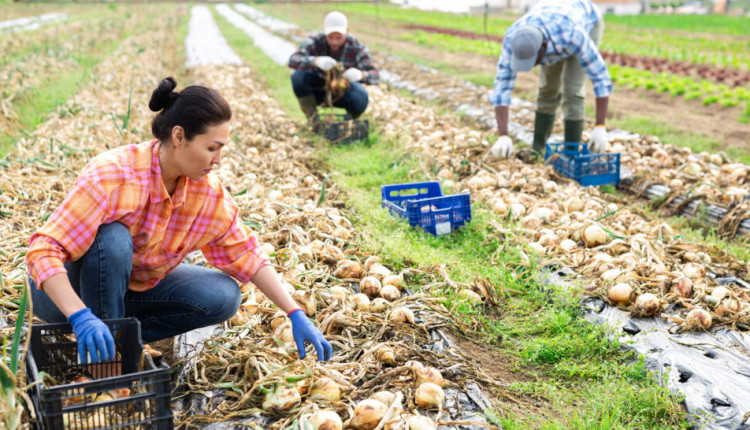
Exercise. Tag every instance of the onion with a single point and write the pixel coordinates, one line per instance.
(428, 374)
(729, 305)
(378, 305)
(568, 245)
(402, 314)
(499, 207)
(549, 240)
(620, 293)
(542, 213)
(306, 300)
(385, 397)
(698, 319)
(250, 307)
(238, 319)
(384, 354)
(281, 398)
(390, 293)
(531, 222)
(470, 296)
(379, 270)
(394, 280)
(537, 248)
(420, 422)
(429, 395)
(693, 270)
(593, 236)
(361, 302)
(284, 332)
(611, 274)
(683, 286)
(517, 210)
(647, 304)
(348, 269)
(370, 285)
(367, 414)
(97, 420)
(325, 420)
(325, 388)
(718, 294)
(340, 292)
(278, 318)
(370, 261)
(332, 254)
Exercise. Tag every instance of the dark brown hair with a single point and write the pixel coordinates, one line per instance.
(195, 108)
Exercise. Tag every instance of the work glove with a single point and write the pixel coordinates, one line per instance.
(324, 63)
(303, 330)
(502, 148)
(92, 335)
(353, 74)
(598, 139)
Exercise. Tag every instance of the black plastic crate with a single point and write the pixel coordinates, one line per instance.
(85, 405)
(346, 130)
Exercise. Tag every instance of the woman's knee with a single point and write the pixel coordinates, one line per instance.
(223, 299)
(115, 239)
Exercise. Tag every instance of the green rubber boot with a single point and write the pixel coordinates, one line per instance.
(310, 107)
(543, 123)
(573, 131)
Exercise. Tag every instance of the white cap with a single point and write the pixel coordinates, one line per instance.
(335, 22)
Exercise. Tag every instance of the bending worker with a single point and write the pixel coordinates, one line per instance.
(115, 246)
(563, 37)
(319, 54)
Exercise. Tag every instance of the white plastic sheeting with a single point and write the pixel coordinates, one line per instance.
(30, 22)
(269, 22)
(278, 49)
(204, 43)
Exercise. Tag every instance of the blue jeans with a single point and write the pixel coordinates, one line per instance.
(306, 82)
(189, 297)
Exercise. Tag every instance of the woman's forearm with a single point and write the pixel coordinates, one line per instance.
(268, 283)
(62, 294)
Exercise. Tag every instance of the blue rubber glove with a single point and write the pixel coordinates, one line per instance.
(304, 330)
(93, 335)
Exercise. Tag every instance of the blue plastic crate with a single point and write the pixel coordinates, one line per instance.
(576, 162)
(424, 205)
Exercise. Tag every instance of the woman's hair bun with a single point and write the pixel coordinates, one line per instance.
(164, 95)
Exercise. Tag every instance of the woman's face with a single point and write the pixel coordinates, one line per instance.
(196, 158)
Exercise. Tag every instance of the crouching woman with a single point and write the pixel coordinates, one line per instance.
(115, 246)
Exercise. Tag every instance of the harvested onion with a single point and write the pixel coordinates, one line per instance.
(620, 293)
(428, 374)
(402, 314)
(647, 304)
(698, 319)
(367, 414)
(683, 286)
(325, 420)
(361, 302)
(325, 388)
(429, 395)
(593, 236)
(419, 422)
(370, 285)
(379, 305)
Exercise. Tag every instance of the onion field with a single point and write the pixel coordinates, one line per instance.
(557, 306)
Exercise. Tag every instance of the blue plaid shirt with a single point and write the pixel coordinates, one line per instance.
(566, 25)
(351, 54)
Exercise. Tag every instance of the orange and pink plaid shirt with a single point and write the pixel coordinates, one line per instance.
(124, 185)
